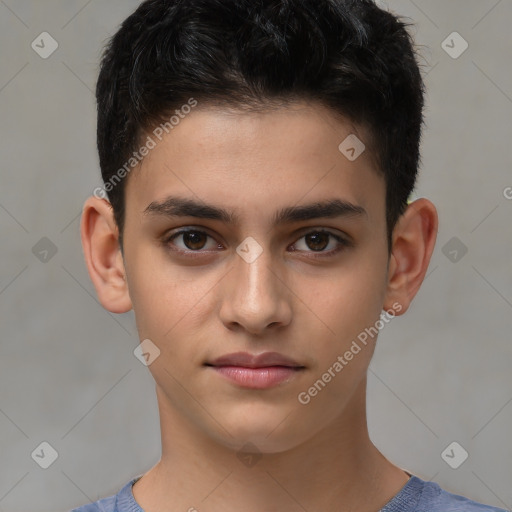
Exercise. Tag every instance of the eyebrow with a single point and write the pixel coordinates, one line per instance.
(182, 207)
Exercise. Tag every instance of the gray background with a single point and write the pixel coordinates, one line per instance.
(68, 376)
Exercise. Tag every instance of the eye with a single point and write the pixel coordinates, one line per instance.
(195, 241)
(318, 240)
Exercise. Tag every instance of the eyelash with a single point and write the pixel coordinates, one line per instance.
(342, 243)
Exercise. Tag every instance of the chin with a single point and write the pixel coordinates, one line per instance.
(263, 429)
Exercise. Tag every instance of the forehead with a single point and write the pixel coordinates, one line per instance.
(256, 161)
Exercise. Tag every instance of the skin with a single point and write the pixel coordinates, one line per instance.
(314, 456)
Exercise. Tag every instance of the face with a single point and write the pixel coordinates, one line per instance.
(303, 285)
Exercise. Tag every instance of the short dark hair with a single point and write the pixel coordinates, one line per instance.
(349, 55)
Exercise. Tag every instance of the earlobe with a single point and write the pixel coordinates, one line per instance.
(103, 256)
(414, 239)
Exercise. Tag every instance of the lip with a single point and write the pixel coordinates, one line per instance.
(256, 371)
(264, 360)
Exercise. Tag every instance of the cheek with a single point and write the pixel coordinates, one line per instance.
(336, 304)
(345, 301)
(169, 302)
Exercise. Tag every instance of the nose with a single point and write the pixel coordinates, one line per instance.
(255, 296)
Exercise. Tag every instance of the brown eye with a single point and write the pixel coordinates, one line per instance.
(318, 241)
(192, 241)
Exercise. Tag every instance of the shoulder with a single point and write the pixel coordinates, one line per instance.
(435, 499)
(120, 502)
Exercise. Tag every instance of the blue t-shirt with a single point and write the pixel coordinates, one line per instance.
(415, 496)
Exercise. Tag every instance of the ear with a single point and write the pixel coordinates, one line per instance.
(103, 257)
(413, 242)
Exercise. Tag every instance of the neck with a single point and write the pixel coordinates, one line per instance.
(338, 469)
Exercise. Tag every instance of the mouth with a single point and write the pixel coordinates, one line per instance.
(256, 371)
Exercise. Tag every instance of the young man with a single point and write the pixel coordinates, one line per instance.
(258, 157)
